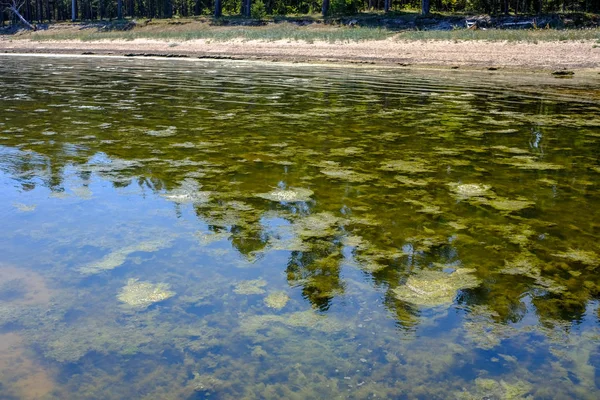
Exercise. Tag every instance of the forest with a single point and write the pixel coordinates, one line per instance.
(40, 11)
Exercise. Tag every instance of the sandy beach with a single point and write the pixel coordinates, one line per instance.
(544, 56)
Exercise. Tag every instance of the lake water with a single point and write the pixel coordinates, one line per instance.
(175, 229)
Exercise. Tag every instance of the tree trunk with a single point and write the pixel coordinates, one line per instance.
(246, 8)
(48, 13)
(218, 9)
(424, 7)
(325, 8)
(386, 5)
(15, 11)
(120, 9)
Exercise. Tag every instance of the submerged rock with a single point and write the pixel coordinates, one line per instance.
(277, 300)
(142, 294)
(291, 195)
(435, 288)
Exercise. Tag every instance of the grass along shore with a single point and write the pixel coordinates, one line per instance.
(309, 29)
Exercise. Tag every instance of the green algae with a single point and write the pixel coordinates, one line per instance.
(188, 192)
(435, 288)
(580, 256)
(346, 174)
(301, 320)
(318, 225)
(370, 242)
(413, 182)
(277, 300)
(118, 257)
(347, 151)
(206, 238)
(24, 207)
(140, 295)
(486, 388)
(250, 287)
(466, 190)
(291, 195)
(504, 204)
(413, 166)
(531, 163)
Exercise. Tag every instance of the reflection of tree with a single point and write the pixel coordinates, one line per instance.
(248, 240)
(407, 316)
(318, 272)
(503, 300)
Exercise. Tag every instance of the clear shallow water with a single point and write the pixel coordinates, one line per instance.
(237, 230)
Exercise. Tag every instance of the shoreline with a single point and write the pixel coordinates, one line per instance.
(479, 55)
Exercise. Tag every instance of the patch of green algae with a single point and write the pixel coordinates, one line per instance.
(530, 162)
(412, 166)
(318, 225)
(435, 288)
(466, 190)
(291, 195)
(345, 174)
(302, 319)
(580, 256)
(277, 300)
(142, 294)
(118, 257)
(503, 204)
(492, 389)
(250, 287)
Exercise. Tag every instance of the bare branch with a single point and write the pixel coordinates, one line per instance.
(13, 6)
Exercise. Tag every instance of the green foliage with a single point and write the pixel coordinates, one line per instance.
(258, 10)
(344, 7)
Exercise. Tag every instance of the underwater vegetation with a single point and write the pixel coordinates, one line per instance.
(290, 195)
(142, 294)
(435, 288)
(201, 229)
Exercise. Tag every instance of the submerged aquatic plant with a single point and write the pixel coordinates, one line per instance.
(142, 294)
(435, 288)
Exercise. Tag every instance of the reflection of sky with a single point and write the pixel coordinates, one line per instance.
(94, 196)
